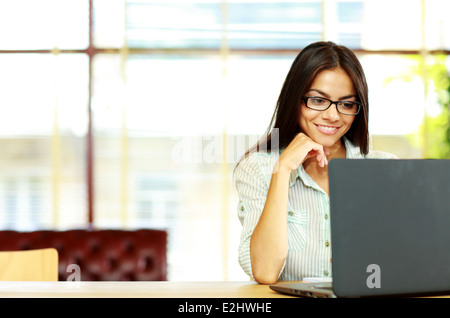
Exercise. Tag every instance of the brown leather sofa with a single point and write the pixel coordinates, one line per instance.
(102, 255)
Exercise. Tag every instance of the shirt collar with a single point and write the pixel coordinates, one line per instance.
(351, 152)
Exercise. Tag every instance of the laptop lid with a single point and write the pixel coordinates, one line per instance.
(390, 226)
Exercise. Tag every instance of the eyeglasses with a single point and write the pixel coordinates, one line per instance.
(344, 107)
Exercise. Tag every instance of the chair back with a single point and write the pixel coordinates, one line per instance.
(29, 265)
(98, 255)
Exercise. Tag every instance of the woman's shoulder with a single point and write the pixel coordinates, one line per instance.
(377, 154)
(354, 151)
(261, 159)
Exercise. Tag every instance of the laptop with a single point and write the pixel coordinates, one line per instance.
(390, 230)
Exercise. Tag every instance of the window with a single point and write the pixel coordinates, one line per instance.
(132, 113)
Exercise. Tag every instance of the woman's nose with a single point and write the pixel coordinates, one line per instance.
(332, 113)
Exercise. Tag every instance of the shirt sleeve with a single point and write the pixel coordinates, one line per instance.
(252, 187)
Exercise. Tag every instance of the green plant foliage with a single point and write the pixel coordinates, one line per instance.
(434, 133)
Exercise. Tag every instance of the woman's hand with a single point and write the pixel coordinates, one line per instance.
(301, 148)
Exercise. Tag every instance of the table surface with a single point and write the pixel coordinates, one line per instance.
(137, 290)
(84, 289)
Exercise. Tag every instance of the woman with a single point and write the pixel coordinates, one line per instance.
(321, 113)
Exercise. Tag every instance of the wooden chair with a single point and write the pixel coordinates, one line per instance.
(29, 265)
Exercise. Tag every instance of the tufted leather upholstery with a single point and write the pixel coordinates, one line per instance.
(102, 255)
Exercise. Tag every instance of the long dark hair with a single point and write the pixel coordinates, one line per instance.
(313, 59)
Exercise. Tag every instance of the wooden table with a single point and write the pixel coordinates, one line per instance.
(119, 299)
(210, 299)
(137, 290)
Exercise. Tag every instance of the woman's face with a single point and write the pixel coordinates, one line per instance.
(327, 127)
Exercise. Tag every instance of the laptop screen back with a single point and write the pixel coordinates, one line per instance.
(390, 226)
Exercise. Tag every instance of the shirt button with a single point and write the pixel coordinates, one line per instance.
(326, 216)
(242, 208)
(290, 213)
(325, 272)
(327, 243)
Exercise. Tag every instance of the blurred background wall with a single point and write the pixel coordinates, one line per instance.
(132, 113)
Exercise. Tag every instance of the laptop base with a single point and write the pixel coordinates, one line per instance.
(314, 290)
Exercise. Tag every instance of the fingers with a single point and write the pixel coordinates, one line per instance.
(320, 152)
(301, 148)
(322, 159)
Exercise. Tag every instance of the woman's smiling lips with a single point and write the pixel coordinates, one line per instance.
(328, 130)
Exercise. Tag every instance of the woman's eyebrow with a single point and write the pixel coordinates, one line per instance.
(346, 97)
(328, 96)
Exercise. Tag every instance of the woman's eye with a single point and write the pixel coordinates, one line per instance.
(317, 100)
(348, 104)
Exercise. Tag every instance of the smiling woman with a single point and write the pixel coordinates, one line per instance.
(283, 196)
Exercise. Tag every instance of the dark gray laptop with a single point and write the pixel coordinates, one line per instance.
(390, 229)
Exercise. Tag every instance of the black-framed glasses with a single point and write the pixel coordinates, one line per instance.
(345, 107)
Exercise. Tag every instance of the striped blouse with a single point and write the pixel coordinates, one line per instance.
(309, 241)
